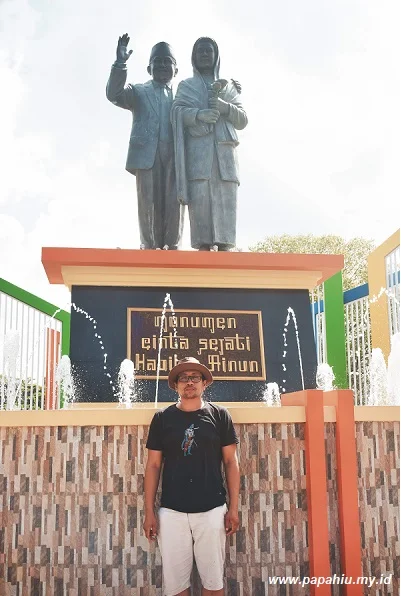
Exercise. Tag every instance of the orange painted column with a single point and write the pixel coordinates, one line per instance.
(316, 484)
(52, 358)
(347, 482)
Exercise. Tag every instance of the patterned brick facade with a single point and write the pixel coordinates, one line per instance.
(71, 510)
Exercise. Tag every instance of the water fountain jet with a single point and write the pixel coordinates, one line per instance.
(11, 354)
(126, 383)
(167, 301)
(393, 370)
(378, 395)
(271, 395)
(65, 382)
(325, 377)
(291, 313)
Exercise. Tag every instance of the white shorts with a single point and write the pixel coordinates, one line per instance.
(185, 535)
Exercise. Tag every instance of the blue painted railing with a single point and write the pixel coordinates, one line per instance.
(349, 296)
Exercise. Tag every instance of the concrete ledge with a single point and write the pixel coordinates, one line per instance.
(178, 268)
(377, 413)
(112, 414)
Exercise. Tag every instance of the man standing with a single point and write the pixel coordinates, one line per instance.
(206, 114)
(193, 438)
(151, 153)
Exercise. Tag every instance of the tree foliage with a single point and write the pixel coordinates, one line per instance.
(355, 251)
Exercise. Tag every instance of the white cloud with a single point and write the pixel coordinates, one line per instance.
(11, 233)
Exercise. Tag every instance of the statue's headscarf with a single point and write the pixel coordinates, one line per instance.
(216, 66)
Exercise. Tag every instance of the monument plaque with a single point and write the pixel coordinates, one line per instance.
(228, 342)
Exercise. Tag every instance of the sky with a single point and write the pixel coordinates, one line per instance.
(320, 85)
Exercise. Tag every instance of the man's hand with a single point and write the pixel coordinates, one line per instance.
(122, 53)
(151, 525)
(208, 116)
(231, 522)
(219, 104)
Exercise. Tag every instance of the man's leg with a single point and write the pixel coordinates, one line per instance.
(173, 211)
(159, 213)
(175, 543)
(146, 208)
(209, 536)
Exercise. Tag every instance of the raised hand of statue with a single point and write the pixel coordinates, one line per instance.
(122, 53)
(208, 116)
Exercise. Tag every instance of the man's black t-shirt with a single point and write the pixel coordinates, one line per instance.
(191, 443)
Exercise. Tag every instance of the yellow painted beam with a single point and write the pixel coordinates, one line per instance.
(242, 413)
(379, 315)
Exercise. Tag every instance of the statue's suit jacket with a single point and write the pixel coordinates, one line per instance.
(141, 100)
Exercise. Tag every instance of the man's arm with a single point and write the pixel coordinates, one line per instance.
(231, 468)
(116, 91)
(151, 483)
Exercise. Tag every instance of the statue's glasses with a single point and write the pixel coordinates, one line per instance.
(193, 379)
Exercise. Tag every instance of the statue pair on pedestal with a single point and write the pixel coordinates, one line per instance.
(182, 149)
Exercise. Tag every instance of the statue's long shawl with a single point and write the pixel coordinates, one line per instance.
(193, 94)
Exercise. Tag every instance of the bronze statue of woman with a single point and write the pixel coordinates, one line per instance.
(206, 115)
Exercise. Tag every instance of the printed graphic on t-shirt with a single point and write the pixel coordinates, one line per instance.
(189, 439)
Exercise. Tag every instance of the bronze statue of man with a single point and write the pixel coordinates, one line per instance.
(206, 115)
(151, 151)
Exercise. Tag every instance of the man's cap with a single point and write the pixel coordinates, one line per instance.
(162, 49)
(189, 363)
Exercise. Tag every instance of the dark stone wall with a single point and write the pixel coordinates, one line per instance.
(108, 305)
